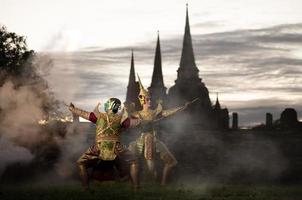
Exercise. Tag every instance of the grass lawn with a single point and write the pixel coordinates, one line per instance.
(150, 191)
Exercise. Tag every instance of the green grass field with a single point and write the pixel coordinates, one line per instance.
(150, 192)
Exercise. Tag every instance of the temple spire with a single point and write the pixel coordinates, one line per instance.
(157, 76)
(132, 72)
(157, 88)
(189, 85)
(217, 104)
(132, 82)
(187, 55)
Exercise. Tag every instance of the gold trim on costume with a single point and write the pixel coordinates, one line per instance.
(172, 111)
(107, 149)
(82, 113)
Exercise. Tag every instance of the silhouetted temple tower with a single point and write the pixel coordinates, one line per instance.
(187, 68)
(217, 104)
(188, 85)
(133, 86)
(220, 116)
(157, 88)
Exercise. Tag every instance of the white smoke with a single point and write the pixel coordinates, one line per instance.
(72, 146)
(19, 129)
(21, 109)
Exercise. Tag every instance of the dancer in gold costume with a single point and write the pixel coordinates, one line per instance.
(148, 144)
(107, 145)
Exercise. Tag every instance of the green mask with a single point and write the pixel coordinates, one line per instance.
(113, 104)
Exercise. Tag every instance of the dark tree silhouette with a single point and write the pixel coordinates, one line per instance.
(23, 67)
(14, 53)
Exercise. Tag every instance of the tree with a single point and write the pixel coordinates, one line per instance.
(13, 53)
(23, 68)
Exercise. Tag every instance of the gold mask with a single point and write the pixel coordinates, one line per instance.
(144, 95)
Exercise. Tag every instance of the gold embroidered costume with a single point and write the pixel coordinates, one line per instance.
(148, 144)
(107, 145)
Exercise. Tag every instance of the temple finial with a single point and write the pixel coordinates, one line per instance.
(187, 55)
(157, 88)
(132, 81)
(187, 13)
(157, 76)
(217, 104)
(132, 71)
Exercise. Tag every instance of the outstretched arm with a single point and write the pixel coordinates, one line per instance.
(172, 111)
(129, 121)
(82, 113)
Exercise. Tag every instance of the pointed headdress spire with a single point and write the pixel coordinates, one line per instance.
(142, 91)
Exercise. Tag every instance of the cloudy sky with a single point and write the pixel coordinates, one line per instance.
(250, 51)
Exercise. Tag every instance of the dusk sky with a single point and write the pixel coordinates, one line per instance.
(249, 51)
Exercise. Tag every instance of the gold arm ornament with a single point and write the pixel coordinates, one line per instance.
(82, 113)
(167, 113)
(133, 121)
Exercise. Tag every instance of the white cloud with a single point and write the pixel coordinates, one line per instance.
(118, 23)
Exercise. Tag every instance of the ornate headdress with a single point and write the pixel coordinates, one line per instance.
(143, 93)
(113, 104)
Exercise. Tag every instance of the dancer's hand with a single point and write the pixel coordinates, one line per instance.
(71, 106)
